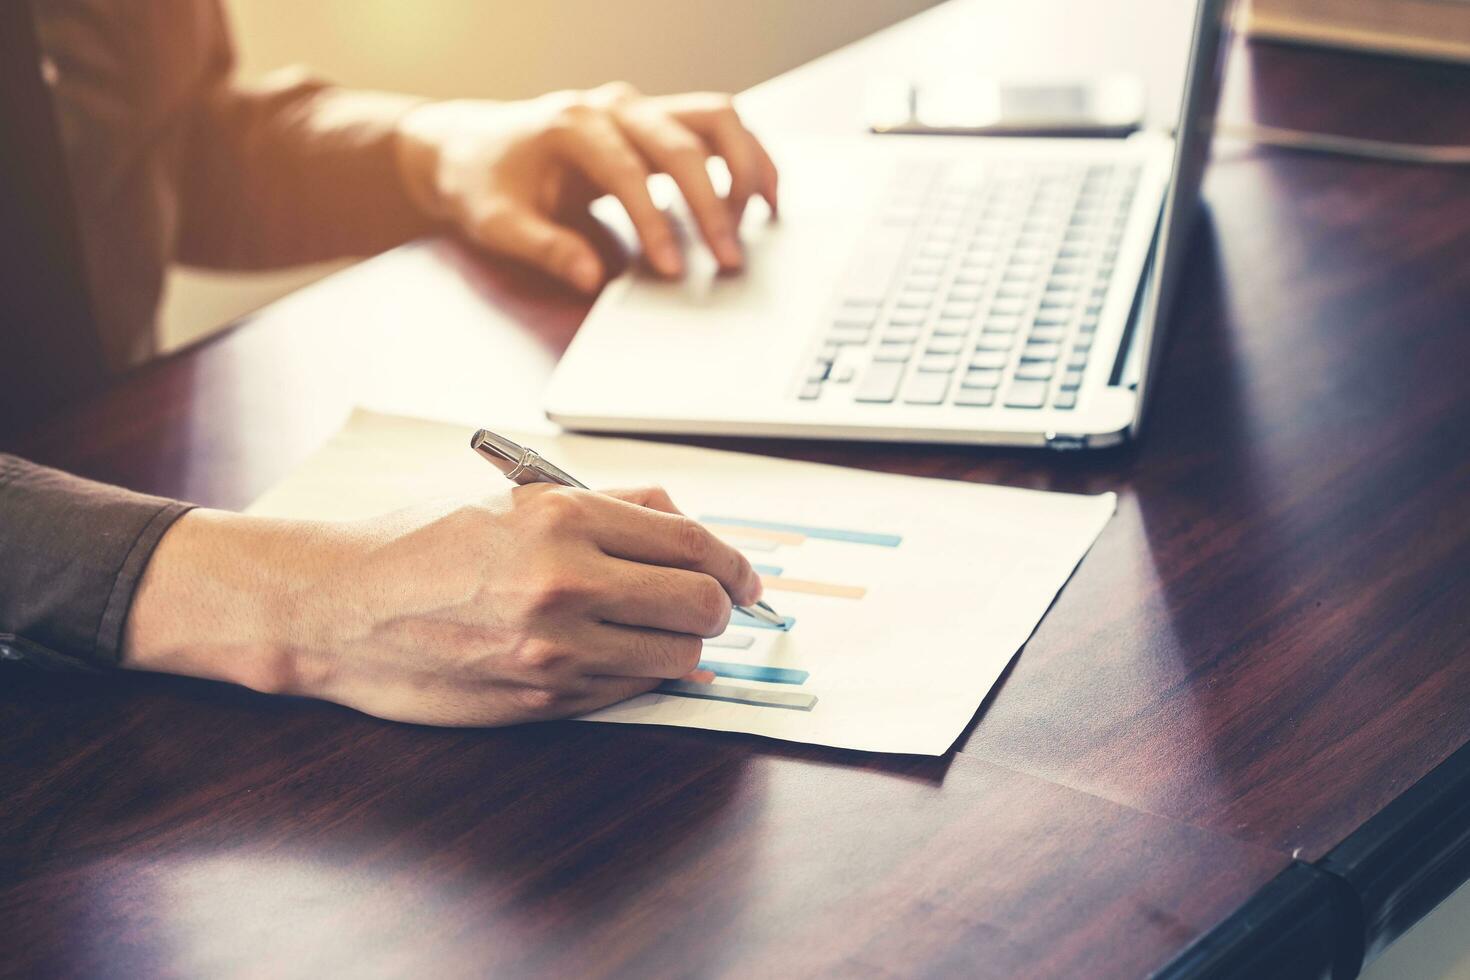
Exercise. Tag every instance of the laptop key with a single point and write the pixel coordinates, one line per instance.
(995, 342)
(989, 359)
(1026, 394)
(1041, 352)
(926, 389)
(1034, 371)
(1077, 359)
(1065, 399)
(1072, 380)
(894, 352)
(975, 397)
(809, 391)
(938, 363)
(945, 345)
(982, 378)
(849, 335)
(951, 328)
(880, 382)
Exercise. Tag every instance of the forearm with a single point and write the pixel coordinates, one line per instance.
(294, 171)
(225, 597)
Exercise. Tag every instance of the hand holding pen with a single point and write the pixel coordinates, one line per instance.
(520, 604)
(526, 466)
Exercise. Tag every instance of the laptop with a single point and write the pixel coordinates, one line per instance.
(936, 289)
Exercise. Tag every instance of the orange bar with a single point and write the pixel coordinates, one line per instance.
(756, 534)
(782, 583)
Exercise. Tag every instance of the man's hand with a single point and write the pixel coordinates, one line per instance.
(511, 175)
(538, 602)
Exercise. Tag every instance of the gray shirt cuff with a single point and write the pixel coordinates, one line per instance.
(72, 553)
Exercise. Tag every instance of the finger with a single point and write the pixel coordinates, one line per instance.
(625, 651)
(603, 691)
(655, 597)
(597, 147)
(734, 143)
(523, 234)
(770, 178)
(714, 119)
(539, 704)
(676, 151)
(642, 534)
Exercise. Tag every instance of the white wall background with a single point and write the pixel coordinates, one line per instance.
(505, 50)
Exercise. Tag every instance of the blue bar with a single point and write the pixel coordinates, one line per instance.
(738, 618)
(825, 533)
(750, 672)
(767, 569)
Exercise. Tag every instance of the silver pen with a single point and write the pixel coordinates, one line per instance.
(523, 465)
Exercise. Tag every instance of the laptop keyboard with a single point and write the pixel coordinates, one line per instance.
(980, 290)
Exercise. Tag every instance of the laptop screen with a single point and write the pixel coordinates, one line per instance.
(1206, 69)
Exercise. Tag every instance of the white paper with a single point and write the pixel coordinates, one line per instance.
(901, 669)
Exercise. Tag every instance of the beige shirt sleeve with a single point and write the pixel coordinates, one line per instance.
(289, 171)
(172, 159)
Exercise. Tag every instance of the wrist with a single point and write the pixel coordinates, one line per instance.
(220, 599)
(419, 140)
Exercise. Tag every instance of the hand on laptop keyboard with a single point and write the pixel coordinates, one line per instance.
(511, 175)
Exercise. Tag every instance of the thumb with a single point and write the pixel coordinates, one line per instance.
(525, 235)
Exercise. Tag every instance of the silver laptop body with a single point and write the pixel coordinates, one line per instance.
(924, 288)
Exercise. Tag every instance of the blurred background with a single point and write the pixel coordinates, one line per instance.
(510, 51)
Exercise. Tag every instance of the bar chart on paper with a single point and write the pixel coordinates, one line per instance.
(904, 598)
(752, 649)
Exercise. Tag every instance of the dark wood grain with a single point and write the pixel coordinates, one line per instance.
(1267, 645)
(215, 832)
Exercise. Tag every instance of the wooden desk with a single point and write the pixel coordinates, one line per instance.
(1238, 734)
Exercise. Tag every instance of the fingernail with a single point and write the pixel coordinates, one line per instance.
(729, 251)
(586, 273)
(667, 260)
(700, 676)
